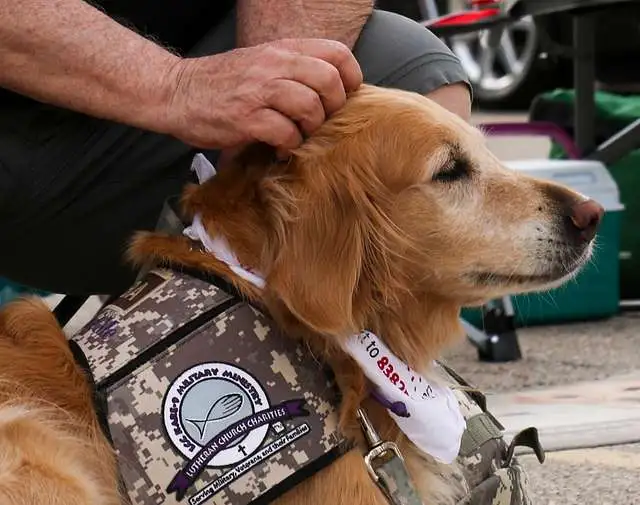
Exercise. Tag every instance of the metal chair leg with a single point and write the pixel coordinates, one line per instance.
(498, 343)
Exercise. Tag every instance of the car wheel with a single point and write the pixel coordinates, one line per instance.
(508, 74)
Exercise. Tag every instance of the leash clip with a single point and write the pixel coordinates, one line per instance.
(386, 466)
(378, 449)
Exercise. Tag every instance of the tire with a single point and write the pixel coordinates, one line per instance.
(497, 88)
(533, 70)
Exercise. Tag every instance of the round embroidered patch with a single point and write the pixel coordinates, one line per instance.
(215, 409)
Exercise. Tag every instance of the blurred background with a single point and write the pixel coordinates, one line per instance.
(523, 65)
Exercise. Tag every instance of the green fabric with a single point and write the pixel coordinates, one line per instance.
(506, 486)
(608, 105)
(396, 483)
(480, 430)
(490, 478)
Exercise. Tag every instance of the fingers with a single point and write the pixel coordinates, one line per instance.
(271, 127)
(315, 77)
(326, 67)
(321, 77)
(275, 93)
(298, 102)
(332, 52)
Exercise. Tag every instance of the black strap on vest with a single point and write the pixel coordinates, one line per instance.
(98, 397)
(68, 307)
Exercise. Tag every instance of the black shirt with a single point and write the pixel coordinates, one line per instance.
(178, 24)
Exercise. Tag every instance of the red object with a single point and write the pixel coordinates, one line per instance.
(465, 17)
(480, 3)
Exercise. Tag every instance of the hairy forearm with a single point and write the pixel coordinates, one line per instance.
(265, 20)
(70, 54)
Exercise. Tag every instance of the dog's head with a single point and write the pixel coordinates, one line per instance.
(393, 203)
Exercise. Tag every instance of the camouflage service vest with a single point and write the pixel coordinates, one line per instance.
(203, 398)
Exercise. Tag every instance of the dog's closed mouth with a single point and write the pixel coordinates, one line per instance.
(496, 279)
(559, 271)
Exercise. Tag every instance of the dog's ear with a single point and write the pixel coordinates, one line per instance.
(318, 265)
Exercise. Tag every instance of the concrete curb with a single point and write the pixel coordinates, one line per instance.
(588, 414)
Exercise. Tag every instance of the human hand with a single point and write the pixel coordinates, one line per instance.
(275, 93)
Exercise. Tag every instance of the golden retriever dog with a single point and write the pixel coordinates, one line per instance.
(391, 217)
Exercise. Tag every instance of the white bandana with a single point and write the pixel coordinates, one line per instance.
(217, 246)
(203, 168)
(434, 423)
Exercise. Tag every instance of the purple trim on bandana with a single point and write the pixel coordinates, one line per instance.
(190, 472)
(398, 408)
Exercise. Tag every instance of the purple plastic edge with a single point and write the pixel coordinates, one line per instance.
(535, 128)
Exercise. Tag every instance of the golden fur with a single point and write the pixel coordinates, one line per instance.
(391, 217)
(51, 448)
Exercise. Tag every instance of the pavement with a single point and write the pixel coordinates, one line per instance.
(574, 416)
(587, 431)
(602, 476)
(579, 384)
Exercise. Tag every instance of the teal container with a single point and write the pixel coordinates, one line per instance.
(595, 292)
(10, 291)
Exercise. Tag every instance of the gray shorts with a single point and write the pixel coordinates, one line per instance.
(392, 50)
(73, 188)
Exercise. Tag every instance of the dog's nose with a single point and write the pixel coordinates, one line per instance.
(584, 218)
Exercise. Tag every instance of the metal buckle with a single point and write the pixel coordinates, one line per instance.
(391, 475)
(377, 447)
(377, 452)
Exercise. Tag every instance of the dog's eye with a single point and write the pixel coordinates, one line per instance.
(454, 170)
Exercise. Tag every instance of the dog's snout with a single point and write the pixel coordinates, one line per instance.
(584, 219)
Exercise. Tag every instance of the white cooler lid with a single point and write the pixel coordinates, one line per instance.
(590, 178)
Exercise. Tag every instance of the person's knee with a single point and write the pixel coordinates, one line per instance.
(453, 97)
(397, 52)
